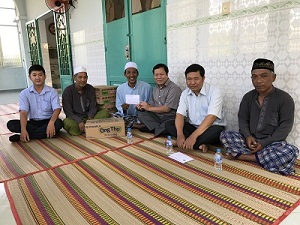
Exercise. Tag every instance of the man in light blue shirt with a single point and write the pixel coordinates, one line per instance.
(200, 117)
(40, 104)
(131, 87)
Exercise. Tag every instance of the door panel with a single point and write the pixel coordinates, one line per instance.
(63, 49)
(116, 39)
(115, 50)
(149, 41)
(139, 25)
(34, 42)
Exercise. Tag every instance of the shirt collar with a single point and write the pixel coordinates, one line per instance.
(75, 88)
(270, 93)
(203, 90)
(32, 89)
(165, 84)
(136, 84)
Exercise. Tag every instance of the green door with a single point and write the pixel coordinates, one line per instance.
(63, 46)
(63, 49)
(134, 31)
(35, 51)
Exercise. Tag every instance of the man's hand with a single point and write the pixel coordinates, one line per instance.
(257, 148)
(125, 106)
(180, 141)
(189, 143)
(143, 106)
(50, 129)
(251, 142)
(24, 136)
(81, 127)
(253, 145)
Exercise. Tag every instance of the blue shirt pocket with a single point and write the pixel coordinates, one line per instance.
(47, 107)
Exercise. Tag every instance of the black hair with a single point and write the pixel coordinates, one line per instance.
(36, 68)
(160, 65)
(195, 68)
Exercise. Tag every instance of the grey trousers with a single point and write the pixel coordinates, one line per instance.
(155, 122)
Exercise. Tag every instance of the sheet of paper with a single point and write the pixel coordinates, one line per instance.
(180, 157)
(132, 99)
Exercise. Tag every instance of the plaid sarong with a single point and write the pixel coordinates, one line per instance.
(278, 157)
(128, 120)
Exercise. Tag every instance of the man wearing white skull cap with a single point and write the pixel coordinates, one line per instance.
(79, 103)
(131, 87)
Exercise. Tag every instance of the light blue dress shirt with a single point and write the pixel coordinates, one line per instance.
(196, 108)
(141, 88)
(39, 106)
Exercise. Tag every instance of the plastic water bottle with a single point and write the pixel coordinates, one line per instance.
(218, 160)
(169, 146)
(129, 136)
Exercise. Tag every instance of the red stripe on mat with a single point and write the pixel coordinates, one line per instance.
(70, 162)
(12, 205)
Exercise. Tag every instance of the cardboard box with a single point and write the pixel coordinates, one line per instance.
(107, 106)
(105, 100)
(104, 90)
(103, 128)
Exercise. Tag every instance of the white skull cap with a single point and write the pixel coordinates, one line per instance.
(79, 69)
(130, 65)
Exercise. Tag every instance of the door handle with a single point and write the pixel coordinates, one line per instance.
(127, 52)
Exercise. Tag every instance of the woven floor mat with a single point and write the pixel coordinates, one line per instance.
(139, 184)
(18, 158)
(142, 135)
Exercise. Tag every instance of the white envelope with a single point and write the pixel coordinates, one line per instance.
(132, 99)
(180, 157)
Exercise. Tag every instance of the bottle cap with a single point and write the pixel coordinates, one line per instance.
(169, 137)
(218, 150)
(128, 129)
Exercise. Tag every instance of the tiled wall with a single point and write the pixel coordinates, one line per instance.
(88, 51)
(226, 46)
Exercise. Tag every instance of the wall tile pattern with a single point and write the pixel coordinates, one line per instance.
(227, 46)
(88, 51)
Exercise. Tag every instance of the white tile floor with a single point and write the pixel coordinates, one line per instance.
(7, 218)
(293, 218)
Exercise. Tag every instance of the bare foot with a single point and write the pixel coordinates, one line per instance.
(137, 126)
(228, 156)
(174, 142)
(203, 147)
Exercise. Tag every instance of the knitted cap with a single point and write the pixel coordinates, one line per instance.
(263, 64)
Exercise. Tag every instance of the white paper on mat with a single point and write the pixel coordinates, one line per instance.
(180, 157)
(132, 99)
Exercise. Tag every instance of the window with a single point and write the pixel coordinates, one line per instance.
(9, 36)
(139, 6)
(114, 10)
